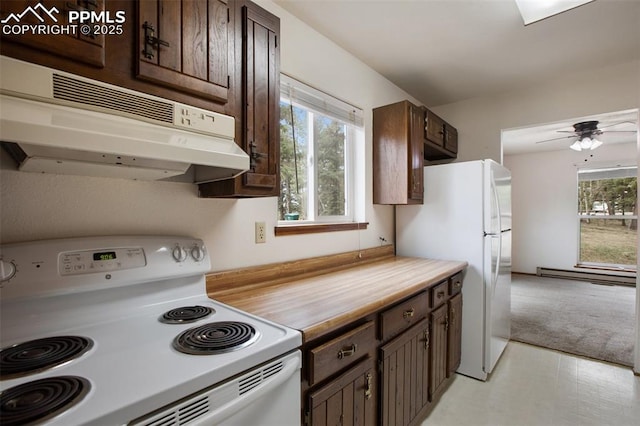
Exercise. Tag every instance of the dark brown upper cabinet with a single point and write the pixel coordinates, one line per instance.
(258, 119)
(186, 45)
(441, 138)
(398, 144)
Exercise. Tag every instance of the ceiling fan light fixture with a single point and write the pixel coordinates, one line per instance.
(576, 146)
(595, 143)
(585, 143)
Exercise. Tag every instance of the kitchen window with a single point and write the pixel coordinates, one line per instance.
(608, 217)
(319, 138)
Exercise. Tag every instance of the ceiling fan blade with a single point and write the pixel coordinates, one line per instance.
(615, 124)
(620, 131)
(555, 139)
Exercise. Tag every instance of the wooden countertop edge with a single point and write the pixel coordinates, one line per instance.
(229, 281)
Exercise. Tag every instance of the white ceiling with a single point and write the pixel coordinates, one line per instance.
(443, 51)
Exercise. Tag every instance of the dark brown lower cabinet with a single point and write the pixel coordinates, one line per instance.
(439, 328)
(347, 400)
(454, 334)
(404, 383)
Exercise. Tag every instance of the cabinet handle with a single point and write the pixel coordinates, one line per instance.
(457, 284)
(446, 322)
(440, 294)
(254, 155)
(426, 339)
(347, 352)
(408, 314)
(369, 386)
(151, 41)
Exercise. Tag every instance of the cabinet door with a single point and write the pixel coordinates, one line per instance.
(439, 330)
(258, 111)
(185, 45)
(73, 45)
(405, 376)
(434, 128)
(350, 399)
(454, 334)
(416, 155)
(450, 139)
(262, 104)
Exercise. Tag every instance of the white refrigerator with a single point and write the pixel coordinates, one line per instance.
(466, 215)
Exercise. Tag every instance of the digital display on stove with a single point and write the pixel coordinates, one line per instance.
(104, 255)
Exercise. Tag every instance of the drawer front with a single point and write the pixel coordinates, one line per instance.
(455, 284)
(402, 316)
(341, 352)
(439, 294)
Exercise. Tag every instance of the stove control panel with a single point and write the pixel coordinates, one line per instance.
(91, 261)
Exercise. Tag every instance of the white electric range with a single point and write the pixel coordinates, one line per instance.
(119, 330)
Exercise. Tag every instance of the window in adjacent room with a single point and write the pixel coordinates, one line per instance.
(318, 138)
(608, 217)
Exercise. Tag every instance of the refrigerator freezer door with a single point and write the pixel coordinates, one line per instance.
(498, 178)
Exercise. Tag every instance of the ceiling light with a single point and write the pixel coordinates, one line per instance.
(585, 143)
(536, 10)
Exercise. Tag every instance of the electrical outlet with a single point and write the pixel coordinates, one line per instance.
(261, 232)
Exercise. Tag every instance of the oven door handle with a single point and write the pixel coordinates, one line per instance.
(292, 365)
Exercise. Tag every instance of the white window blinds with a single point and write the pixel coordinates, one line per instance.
(319, 102)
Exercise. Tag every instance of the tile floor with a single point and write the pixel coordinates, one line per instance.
(534, 386)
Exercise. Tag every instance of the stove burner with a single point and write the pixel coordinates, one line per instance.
(215, 338)
(186, 314)
(40, 400)
(41, 354)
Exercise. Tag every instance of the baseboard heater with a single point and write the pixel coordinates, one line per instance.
(593, 277)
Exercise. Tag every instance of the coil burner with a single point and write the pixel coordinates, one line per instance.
(215, 338)
(41, 400)
(186, 314)
(41, 354)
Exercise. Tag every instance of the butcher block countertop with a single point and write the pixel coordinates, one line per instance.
(319, 295)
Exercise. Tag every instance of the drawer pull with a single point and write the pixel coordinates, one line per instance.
(368, 389)
(408, 314)
(440, 294)
(426, 339)
(457, 284)
(347, 352)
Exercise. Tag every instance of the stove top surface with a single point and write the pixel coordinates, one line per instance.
(131, 364)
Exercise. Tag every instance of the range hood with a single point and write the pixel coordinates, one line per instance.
(56, 122)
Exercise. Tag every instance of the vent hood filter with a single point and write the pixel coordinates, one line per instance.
(61, 123)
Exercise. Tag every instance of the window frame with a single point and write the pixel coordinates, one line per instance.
(600, 265)
(312, 101)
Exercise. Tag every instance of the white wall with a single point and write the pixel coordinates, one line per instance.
(37, 206)
(544, 203)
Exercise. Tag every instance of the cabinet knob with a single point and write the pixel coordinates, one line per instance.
(347, 352)
(408, 314)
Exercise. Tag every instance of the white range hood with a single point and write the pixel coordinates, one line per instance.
(56, 122)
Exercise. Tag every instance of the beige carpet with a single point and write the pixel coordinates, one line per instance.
(592, 320)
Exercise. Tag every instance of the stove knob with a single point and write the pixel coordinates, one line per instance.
(197, 252)
(7, 270)
(179, 254)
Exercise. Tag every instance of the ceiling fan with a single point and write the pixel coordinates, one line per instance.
(585, 133)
